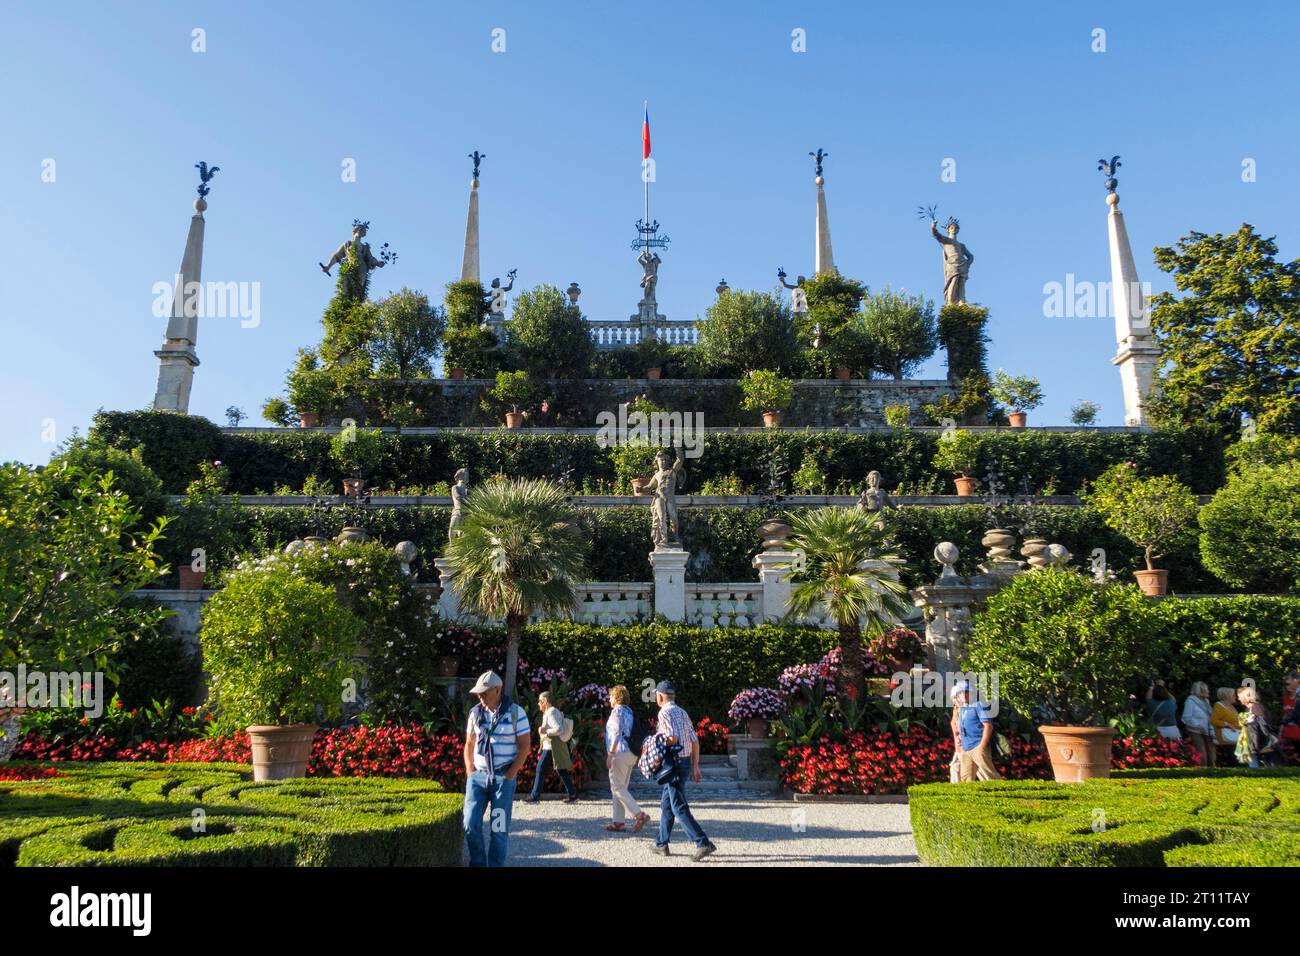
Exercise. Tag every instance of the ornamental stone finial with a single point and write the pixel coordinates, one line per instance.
(1108, 170)
(818, 158)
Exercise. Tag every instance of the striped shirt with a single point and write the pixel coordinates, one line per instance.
(504, 745)
(675, 722)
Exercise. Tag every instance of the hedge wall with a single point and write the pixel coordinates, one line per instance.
(175, 444)
(1151, 818)
(140, 814)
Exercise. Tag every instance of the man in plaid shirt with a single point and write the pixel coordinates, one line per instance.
(675, 724)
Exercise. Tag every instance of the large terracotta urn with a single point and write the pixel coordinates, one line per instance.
(771, 419)
(352, 487)
(514, 419)
(308, 419)
(1153, 583)
(1078, 753)
(1017, 419)
(966, 486)
(191, 580)
(281, 753)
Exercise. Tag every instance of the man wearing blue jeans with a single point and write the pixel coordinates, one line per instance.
(675, 724)
(497, 742)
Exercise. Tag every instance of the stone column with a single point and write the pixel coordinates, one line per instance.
(177, 359)
(774, 574)
(670, 582)
(469, 264)
(1137, 355)
(825, 261)
(448, 604)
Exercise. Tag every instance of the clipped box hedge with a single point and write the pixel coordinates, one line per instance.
(1156, 818)
(142, 814)
(173, 445)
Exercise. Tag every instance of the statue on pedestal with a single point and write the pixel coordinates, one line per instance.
(650, 264)
(663, 522)
(957, 260)
(874, 499)
(357, 254)
(798, 297)
(459, 493)
(497, 293)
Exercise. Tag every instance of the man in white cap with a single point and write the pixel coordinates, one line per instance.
(497, 742)
(974, 736)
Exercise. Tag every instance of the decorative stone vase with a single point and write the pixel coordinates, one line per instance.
(352, 534)
(352, 487)
(843, 374)
(653, 374)
(771, 419)
(308, 419)
(457, 373)
(1017, 419)
(999, 542)
(514, 419)
(966, 486)
(1035, 552)
(774, 533)
(1153, 583)
(757, 727)
(281, 753)
(191, 580)
(448, 666)
(1078, 753)
(315, 541)
(639, 485)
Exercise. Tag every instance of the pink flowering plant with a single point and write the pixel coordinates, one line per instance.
(757, 703)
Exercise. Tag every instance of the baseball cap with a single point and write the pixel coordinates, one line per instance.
(486, 681)
(665, 687)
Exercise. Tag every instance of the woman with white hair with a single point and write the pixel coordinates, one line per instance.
(1196, 719)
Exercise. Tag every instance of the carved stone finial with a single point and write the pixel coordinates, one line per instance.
(946, 553)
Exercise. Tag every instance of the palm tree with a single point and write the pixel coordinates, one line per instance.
(833, 548)
(519, 551)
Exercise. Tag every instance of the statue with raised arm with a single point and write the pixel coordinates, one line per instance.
(957, 260)
(650, 264)
(357, 255)
(874, 499)
(497, 293)
(798, 297)
(459, 493)
(663, 520)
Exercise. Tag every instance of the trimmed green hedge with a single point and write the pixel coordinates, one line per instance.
(142, 814)
(1143, 818)
(175, 444)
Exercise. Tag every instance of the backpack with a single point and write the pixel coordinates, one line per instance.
(640, 731)
(566, 730)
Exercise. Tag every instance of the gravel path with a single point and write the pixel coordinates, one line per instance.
(749, 831)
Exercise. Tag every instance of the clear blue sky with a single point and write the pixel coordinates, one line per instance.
(285, 92)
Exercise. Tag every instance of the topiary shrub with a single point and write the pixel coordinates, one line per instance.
(1250, 530)
(170, 445)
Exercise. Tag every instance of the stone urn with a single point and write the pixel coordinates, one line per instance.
(281, 753)
(1154, 583)
(1035, 552)
(757, 727)
(315, 541)
(308, 419)
(966, 487)
(999, 542)
(774, 533)
(352, 487)
(639, 486)
(352, 534)
(1017, 419)
(191, 580)
(771, 419)
(1078, 753)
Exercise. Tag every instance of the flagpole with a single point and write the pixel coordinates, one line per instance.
(645, 180)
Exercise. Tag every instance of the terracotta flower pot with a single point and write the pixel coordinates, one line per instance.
(757, 727)
(966, 486)
(1153, 583)
(771, 419)
(843, 374)
(653, 374)
(639, 485)
(458, 373)
(448, 666)
(352, 534)
(353, 486)
(1017, 419)
(514, 419)
(281, 753)
(1078, 753)
(191, 580)
(308, 419)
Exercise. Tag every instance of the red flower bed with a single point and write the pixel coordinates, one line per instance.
(713, 736)
(890, 762)
(28, 773)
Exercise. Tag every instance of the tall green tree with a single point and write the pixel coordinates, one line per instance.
(902, 330)
(405, 335)
(520, 551)
(547, 335)
(1231, 341)
(834, 573)
(833, 303)
(742, 331)
(467, 343)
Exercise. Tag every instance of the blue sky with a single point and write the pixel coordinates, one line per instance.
(286, 92)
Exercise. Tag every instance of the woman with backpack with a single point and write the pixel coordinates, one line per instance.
(555, 731)
(623, 738)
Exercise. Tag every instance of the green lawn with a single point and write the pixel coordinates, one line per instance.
(148, 814)
(1229, 817)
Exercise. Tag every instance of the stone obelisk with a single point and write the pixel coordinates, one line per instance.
(824, 260)
(469, 264)
(177, 359)
(1137, 354)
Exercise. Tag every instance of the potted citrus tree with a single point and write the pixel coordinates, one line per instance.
(310, 388)
(358, 450)
(765, 391)
(203, 526)
(958, 452)
(1067, 651)
(279, 650)
(514, 391)
(1020, 393)
(1156, 513)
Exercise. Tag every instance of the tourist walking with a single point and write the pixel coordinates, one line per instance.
(622, 747)
(674, 725)
(555, 732)
(974, 737)
(954, 766)
(1257, 745)
(1196, 720)
(497, 742)
(1162, 708)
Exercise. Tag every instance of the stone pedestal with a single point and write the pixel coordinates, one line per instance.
(448, 605)
(670, 582)
(774, 574)
(755, 759)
